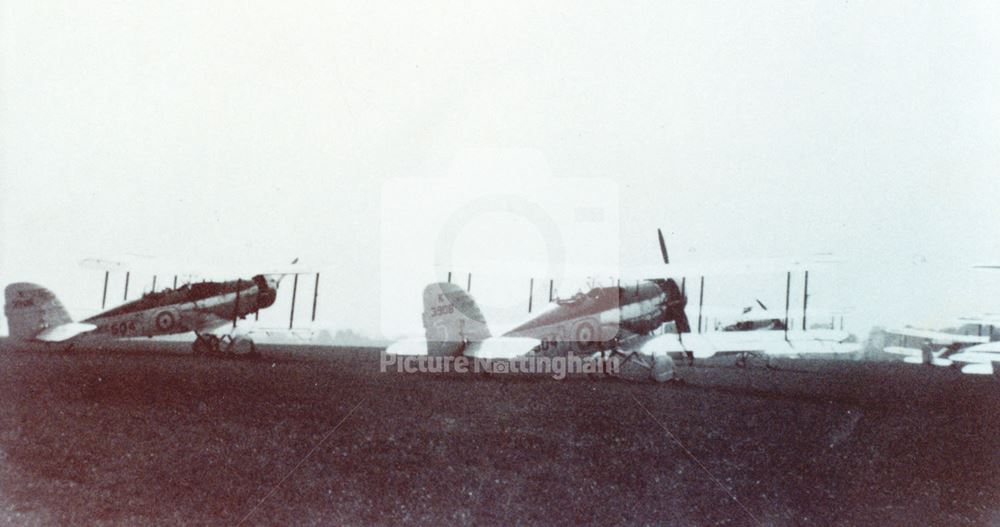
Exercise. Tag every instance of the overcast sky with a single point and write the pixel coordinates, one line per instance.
(260, 132)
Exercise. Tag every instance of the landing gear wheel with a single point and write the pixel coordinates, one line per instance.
(742, 360)
(601, 363)
(206, 345)
(200, 347)
(242, 347)
(662, 368)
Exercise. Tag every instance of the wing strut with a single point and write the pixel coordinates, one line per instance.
(701, 300)
(295, 288)
(805, 300)
(315, 295)
(104, 297)
(531, 294)
(788, 298)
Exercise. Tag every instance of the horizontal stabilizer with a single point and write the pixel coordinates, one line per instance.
(64, 332)
(502, 347)
(491, 348)
(410, 346)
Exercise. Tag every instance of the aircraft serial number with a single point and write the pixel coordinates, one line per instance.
(437, 311)
(124, 328)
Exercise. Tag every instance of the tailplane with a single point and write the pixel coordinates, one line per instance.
(31, 309)
(455, 326)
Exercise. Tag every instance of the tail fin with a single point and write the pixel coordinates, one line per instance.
(451, 319)
(31, 309)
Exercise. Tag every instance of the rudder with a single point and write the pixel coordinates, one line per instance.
(451, 319)
(31, 309)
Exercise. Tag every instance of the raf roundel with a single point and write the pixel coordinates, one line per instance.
(585, 332)
(164, 320)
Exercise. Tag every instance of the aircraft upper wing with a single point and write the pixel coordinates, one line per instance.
(939, 336)
(64, 332)
(992, 319)
(728, 267)
(206, 270)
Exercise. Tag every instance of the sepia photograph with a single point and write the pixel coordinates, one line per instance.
(500, 263)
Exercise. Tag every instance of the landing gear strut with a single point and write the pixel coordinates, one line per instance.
(743, 359)
(661, 367)
(224, 346)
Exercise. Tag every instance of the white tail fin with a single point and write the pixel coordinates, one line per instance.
(451, 319)
(31, 309)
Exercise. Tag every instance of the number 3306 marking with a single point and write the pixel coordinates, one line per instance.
(437, 311)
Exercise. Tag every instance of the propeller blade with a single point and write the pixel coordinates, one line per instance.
(663, 246)
(761, 304)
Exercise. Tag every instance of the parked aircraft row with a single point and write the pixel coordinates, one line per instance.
(644, 322)
(973, 354)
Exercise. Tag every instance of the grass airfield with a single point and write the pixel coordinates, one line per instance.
(148, 434)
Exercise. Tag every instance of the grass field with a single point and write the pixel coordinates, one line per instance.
(152, 435)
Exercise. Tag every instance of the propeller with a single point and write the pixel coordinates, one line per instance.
(663, 246)
(761, 304)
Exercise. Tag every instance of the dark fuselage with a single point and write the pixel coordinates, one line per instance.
(192, 307)
(606, 313)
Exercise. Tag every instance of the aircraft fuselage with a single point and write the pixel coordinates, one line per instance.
(193, 307)
(606, 313)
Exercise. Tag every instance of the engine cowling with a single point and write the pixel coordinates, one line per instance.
(266, 294)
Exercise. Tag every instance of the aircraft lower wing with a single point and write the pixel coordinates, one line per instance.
(978, 360)
(63, 332)
(202, 321)
(973, 360)
(765, 342)
(917, 356)
(939, 337)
